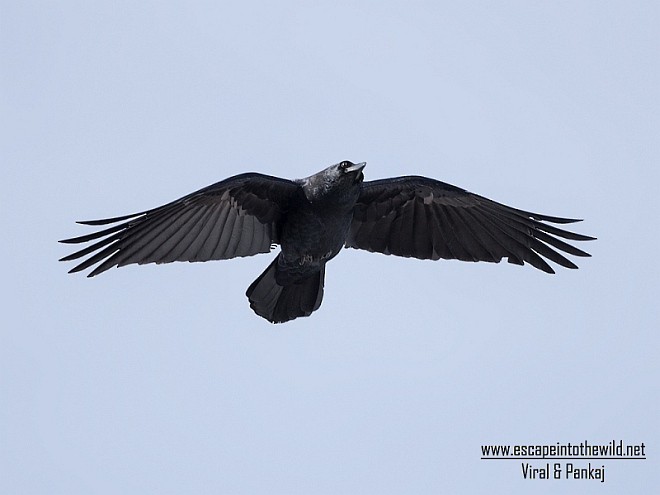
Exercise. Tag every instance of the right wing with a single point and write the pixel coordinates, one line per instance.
(238, 216)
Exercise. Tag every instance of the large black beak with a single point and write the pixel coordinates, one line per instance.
(356, 167)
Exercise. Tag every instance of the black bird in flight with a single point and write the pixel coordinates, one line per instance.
(312, 219)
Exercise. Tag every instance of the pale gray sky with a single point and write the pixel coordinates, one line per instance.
(160, 379)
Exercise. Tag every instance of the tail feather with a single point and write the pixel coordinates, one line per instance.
(279, 303)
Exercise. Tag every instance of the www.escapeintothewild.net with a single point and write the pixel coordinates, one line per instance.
(583, 451)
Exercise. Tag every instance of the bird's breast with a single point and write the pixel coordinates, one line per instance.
(312, 237)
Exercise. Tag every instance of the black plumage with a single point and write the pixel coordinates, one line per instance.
(312, 219)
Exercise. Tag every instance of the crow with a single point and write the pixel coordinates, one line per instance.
(312, 219)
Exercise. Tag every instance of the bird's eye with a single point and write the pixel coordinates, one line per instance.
(343, 164)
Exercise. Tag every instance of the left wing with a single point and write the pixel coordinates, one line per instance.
(424, 218)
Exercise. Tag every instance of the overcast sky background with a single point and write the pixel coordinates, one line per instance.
(160, 379)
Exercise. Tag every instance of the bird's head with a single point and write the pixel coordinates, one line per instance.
(342, 176)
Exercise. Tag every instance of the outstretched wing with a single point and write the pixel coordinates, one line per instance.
(235, 217)
(427, 219)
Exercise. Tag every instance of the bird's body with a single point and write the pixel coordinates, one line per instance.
(312, 219)
(318, 223)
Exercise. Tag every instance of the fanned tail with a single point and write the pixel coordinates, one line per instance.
(279, 303)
